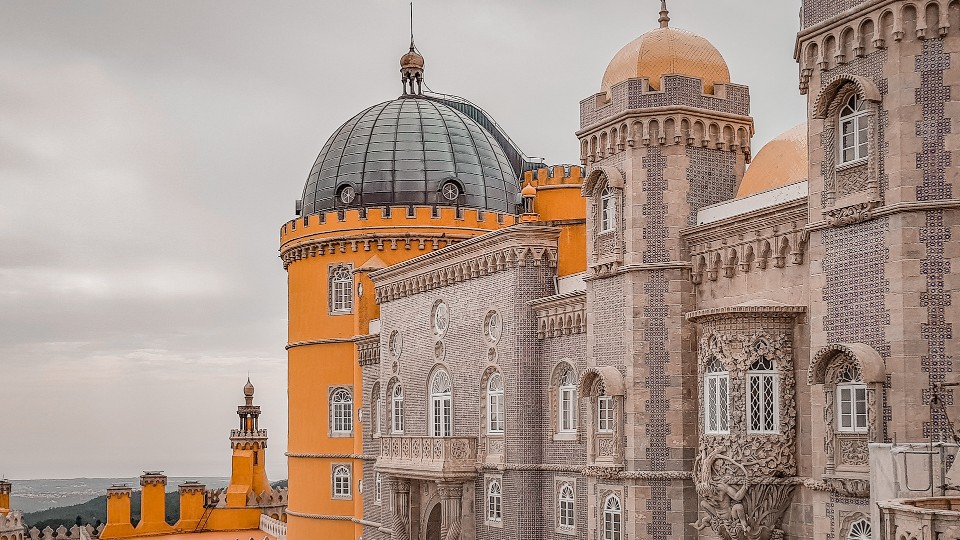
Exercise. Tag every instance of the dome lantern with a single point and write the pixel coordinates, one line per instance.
(664, 14)
(411, 66)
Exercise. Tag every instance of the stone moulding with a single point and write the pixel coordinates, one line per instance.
(775, 236)
(771, 309)
(368, 350)
(364, 457)
(560, 315)
(493, 252)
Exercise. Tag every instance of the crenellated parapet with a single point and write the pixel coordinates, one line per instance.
(421, 228)
(635, 115)
(248, 440)
(867, 26)
(556, 175)
(76, 532)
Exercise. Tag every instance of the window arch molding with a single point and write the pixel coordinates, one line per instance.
(341, 411)
(612, 518)
(395, 406)
(565, 404)
(493, 402)
(827, 102)
(340, 289)
(440, 401)
(867, 358)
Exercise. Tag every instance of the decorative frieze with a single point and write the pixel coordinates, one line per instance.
(560, 315)
(366, 242)
(368, 350)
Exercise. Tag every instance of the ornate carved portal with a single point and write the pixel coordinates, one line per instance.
(745, 466)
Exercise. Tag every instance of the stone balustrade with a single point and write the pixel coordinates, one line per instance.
(432, 458)
(273, 527)
(62, 533)
(928, 517)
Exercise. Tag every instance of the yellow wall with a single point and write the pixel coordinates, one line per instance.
(558, 202)
(153, 510)
(322, 352)
(118, 516)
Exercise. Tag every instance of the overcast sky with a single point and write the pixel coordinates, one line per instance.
(150, 151)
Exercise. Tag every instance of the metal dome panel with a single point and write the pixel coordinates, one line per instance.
(401, 152)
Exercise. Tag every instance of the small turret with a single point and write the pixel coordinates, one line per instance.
(411, 66)
(5, 487)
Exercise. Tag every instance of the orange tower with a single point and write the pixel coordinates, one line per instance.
(400, 179)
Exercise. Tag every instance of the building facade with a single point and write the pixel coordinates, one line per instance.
(673, 339)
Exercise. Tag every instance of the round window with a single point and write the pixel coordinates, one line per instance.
(441, 318)
(450, 191)
(493, 327)
(347, 194)
(395, 344)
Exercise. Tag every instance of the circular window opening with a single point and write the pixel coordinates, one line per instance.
(396, 344)
(450, 191)
(347, 194)
(441, 318)
(493, 327)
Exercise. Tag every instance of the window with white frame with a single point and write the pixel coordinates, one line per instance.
(378, 489)
(567, 401)
(716, 395)
(341, 290)
(851, 401)
(494, 501)
(860, 530)
(763, 399)
(612, 519)
(397, 408)
(341, 403)
(853, 130)
(441, 404)
(496, 415)
(608, 210)
(565, 506)
(605, 414)
(341, 482)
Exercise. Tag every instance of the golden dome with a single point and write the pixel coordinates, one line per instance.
(781, 162)
(411, 59)
(528, 191)
(667, 51)
(248, 388)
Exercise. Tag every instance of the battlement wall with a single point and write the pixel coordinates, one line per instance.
(556, 175)
(677, 91)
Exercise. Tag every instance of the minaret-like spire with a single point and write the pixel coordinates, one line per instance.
(664, 14)
(411, 66)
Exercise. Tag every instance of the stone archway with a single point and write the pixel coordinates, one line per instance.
(433, 523)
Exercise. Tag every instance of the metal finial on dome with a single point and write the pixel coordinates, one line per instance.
(664, 14)
(411, 66)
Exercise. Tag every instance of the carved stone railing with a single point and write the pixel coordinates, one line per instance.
(273, 527)
(930, 517)
(428, 457)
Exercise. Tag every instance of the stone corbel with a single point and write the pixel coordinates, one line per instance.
(850, 215)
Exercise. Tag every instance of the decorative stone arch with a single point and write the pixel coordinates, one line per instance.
(493, 446)
(848, 519)
(608, 376)
(825, 102)
(602, 177)
(872, 367)
(603, 447)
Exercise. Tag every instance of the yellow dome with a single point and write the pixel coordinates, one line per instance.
(667, 51)
(781, 162)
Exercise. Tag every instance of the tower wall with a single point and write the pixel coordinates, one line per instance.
(153, 504)
(885, 229)
(118, 514)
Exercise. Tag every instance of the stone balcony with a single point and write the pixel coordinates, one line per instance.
(428, 458)
(928, 517)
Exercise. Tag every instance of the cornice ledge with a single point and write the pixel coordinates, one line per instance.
(547, 302)
(665, 109)
(746, 309)
(768, 216)
(839, 19)
(519, 234)
(363, 457)
(895, 208)
(319, 342)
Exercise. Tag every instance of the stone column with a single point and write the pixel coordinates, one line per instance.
(400, 487)
(451, 495)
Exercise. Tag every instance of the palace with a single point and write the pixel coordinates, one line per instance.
(664, 341)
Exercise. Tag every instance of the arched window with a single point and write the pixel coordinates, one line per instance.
(605, 414)
(341, 290)
(341, 482)
(860, 530)
(608, 210)
(853, 130)
(496, 416)
(565, 508)
(612, 519)
(397, 409)
(716, 395)
(441, 404)
(375, 414)
(763, 396)
(567, 401)
(851, 401)
(378, 489)
(341, 403)
(494, 501)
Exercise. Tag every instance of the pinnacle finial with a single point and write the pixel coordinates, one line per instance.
(664, 14)
(412, 47)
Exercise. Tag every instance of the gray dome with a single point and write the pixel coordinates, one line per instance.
(402, 152)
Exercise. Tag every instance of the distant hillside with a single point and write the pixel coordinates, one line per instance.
(94, 511)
